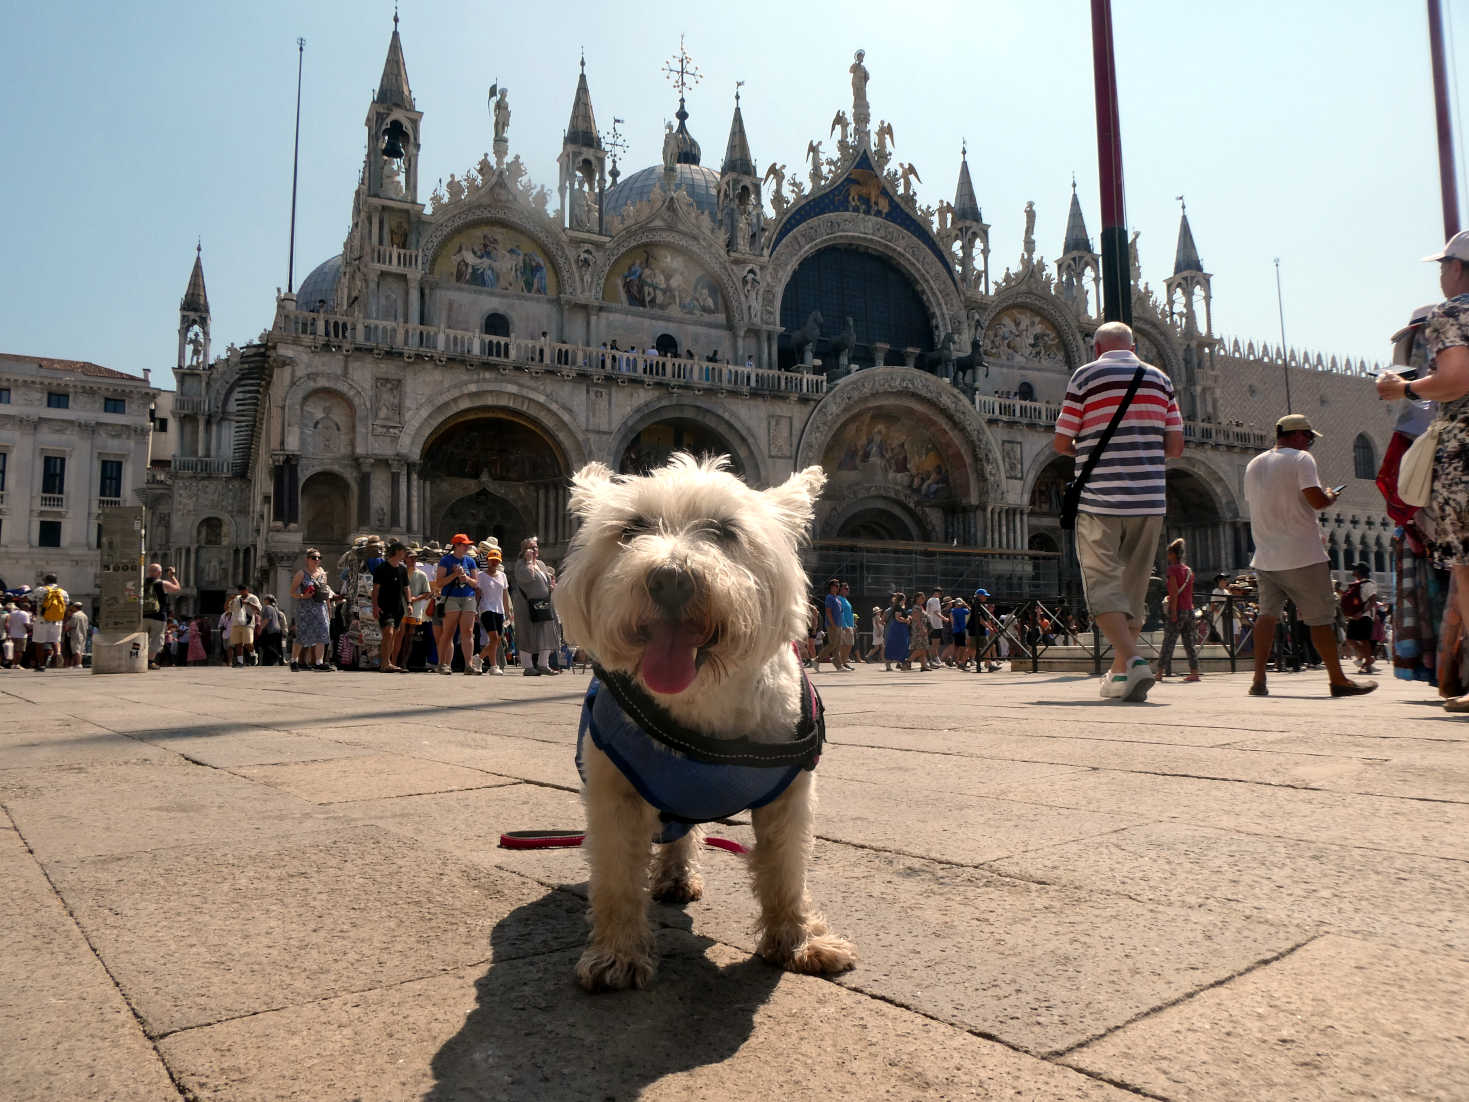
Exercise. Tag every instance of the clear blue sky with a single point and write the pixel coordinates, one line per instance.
(1301, 130)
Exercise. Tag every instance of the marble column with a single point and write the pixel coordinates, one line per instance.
(364, 492)
(396, 519)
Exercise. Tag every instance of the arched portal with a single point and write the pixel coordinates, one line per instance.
(1195, 515)
(655, 442)
(844, 281)
(495, 472)
(326, 511)
(497, 325)
(666, 344)
(484, 514)
(877, 520)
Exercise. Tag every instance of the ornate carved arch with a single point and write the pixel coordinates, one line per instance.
(934, 283)
(1038, 466)
(529, 222)
(559, 424)
(659, 409)
(353, 394)
(852, 500)
(987, 482)
(685, 239)
(1062, 318)
(1215, 481)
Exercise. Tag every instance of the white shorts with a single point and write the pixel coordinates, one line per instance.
(45, 631)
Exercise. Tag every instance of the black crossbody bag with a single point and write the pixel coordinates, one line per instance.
(1071, 501)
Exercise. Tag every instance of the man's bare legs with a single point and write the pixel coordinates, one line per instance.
(1117, 627)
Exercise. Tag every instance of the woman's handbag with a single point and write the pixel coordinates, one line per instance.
(1415, 472)
(540, 608)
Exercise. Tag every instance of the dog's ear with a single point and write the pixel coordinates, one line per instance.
(588, 486)
(795, 497)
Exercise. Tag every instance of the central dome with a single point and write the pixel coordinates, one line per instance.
(701, 184)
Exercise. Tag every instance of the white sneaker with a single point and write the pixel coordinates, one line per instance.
(1113, 685)
(1137, 681)
(476, 665)
(446, 669)
(498, 671)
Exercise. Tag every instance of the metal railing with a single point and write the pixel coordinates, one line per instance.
(875, 569)
(605, 364)
(202, 465)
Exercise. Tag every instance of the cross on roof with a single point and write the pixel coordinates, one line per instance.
(681, 70)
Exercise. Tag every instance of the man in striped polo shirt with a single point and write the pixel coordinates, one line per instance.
(1120, 518)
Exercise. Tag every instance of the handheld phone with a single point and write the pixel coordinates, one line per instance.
(1339, 489)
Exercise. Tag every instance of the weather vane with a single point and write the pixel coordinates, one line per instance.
(738, 85)
(681, 70)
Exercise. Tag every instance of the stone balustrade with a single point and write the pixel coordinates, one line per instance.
(390, 256)
(542, 355)
(1018, 411)
(187, 405)
(202, 465)
(109, 503)
(53, 501)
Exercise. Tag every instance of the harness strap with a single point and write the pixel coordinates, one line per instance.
(804, 749)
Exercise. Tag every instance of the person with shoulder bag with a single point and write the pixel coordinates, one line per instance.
(535, 619)
(1446, 333)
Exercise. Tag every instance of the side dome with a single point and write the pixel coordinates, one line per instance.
(701, 184)
(320, 287)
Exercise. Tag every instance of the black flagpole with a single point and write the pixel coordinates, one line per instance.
(295, 165)
(1116, 276)
(1446, 184)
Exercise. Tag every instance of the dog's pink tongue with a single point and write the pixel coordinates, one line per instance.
(668, 659)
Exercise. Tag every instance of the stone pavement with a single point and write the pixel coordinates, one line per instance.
(258, 885)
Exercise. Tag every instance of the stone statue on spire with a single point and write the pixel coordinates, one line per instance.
(860, 116)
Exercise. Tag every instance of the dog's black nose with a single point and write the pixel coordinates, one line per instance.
(670, 587)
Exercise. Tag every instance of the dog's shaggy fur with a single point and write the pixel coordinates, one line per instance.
(738, 602)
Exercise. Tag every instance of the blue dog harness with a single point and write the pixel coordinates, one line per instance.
(689, 777)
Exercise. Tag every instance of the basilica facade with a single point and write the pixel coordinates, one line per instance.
(476, 342)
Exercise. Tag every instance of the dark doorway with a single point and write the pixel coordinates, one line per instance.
(876, 523)
(667, 344)
(497, 325)
(482, 514)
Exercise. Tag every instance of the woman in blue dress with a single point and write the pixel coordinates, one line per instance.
(895, 639)
(311, 592)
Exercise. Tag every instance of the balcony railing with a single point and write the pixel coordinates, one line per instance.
(108, 502)
(197, 465)
(53, 501)
(1018, 411)
(389, 256)
(537, 355)
(188, 405)
(158, 476)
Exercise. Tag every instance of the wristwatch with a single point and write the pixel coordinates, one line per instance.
(1408, 392)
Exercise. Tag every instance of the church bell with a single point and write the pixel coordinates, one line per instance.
(393, 140)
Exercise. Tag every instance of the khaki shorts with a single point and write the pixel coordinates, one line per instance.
(1308, 586)
(453, 606)
(1117, 557)
(242, 636)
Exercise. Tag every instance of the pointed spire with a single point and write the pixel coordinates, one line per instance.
(195, 300)
(966, 206)
(1077, 240)
(1187, 257)
(392, 89)
(737, 159)
(582, 129)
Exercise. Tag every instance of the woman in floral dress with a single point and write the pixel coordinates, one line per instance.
(313, 631)
(1447, 334)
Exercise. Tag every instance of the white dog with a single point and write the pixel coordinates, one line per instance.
(687, 589)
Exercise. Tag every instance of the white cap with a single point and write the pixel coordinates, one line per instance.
(1456, 249)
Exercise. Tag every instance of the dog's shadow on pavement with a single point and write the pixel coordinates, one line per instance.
(535, 1035)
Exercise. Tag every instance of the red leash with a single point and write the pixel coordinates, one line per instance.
(569, 839)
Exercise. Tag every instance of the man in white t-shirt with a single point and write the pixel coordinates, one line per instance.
(1284, 492)
(933, 612)
(17, 626)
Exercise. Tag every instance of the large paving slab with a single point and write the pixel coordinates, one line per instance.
(1418, 902)
(715, 1026)
(81, 811)
(67, 1031)
(292, 884)
(1339, 1018)
(201, 935)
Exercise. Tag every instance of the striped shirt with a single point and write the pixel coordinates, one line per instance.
(1128, 479)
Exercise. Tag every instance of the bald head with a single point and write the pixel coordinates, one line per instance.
(1113, 336)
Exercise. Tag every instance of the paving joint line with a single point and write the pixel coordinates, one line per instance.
(1263, 962)
(184, 1092)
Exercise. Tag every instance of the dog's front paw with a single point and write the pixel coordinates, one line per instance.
(604, 969)
(811, 950)
(682, 887)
